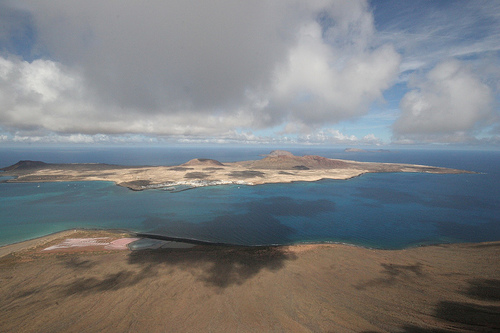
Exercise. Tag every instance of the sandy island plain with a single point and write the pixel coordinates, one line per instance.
(52, 285)
(277, 167)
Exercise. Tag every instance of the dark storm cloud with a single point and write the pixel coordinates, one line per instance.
(194, 68)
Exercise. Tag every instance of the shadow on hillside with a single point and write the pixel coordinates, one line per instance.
(110, 282)
(217, 266)
(467, 316)
(391, 274)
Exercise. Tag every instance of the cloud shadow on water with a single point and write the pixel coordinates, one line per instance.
(258, 224)
(387, 195)
(459, 201)
(239, 229)
(286, 206)
(479, 232)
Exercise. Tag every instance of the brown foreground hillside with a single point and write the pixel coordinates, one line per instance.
(303, 288)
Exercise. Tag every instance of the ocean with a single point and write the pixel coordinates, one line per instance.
(386, 211)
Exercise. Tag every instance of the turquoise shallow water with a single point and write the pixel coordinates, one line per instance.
(376, 210)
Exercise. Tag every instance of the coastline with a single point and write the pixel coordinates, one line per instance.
(297, 288)
(46, 240)
(37, 242)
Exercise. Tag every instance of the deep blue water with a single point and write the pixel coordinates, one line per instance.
(392, 210)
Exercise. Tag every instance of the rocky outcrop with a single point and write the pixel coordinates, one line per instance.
(203, 162)
(287, 161)
(275, 153)
(25, 165)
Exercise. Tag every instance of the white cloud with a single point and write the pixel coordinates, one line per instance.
(191, 68)
(320, 137)
(51, 138)
(41, 94)
(426, 32)
(334, 136)
(333, 72)
(447, 105)
(371, 139)
(316, 86)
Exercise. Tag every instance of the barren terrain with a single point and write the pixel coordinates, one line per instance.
(301, 288)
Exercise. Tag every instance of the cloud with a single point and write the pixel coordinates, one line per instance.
(327, 136)
(180, 55)
(426, 32)
(191, 68)
(333, 136)
(447, 105)
(51, 138)
(41, 94)
(309, 90)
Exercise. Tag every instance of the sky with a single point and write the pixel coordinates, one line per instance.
(316, 72)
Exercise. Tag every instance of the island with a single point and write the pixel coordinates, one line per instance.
(277, 167)
(359, 150)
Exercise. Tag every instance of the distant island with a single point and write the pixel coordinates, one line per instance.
(277, 167)
(359, 150)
